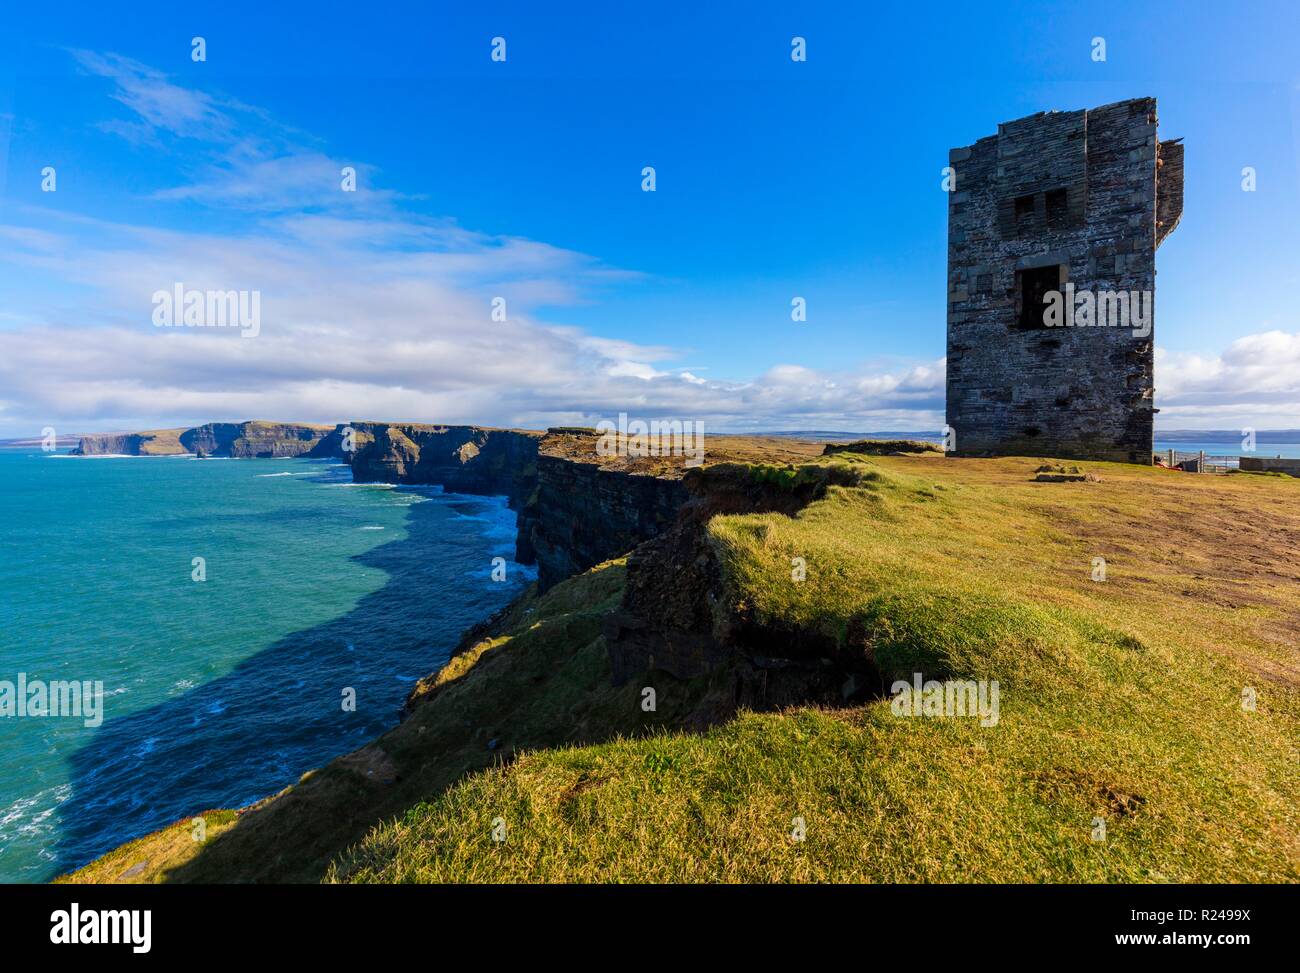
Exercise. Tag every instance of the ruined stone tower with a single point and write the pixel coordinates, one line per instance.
(1078, 198)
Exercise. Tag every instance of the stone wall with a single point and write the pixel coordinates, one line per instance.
(1074, 197)
(1265, 464)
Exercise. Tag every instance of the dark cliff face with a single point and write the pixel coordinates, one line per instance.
(337, 444)
(105, 444)
(574, 511)
(678, 616)
(247, 440)
(461, 459)
(241, 440)
(583, 514)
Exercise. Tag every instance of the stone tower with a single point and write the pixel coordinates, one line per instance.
(1063, 210)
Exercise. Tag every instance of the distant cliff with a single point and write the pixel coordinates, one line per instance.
(461, 459)
(157, 442)
(575, 508)
(242, 440)
(249, 440)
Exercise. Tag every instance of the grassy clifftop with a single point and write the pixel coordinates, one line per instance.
(1122, 750)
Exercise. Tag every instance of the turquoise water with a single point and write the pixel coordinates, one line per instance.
(217, 692)
(1229, 448)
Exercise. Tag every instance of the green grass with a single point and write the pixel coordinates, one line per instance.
(149, 859)
(543, 681)
(1118, 702)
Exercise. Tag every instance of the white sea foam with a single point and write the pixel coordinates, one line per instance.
(97, 456)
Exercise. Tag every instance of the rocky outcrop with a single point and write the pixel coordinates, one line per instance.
(240, 440)
(460, 459)
(584, 513)
(575, 508)
(882, 447)
(341, 442)
(250, 440)
(158, 442)
(678, 617)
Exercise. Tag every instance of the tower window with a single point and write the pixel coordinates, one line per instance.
(1024, 210)
(1058, 207)
(1034, 283)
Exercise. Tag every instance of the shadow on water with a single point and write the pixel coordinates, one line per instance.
(278, 714)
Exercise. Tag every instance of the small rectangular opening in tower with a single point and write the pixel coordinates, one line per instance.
(1035, 282)
(1057, 203)
(1024, 213)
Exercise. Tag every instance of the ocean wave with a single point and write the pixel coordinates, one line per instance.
(47, 800)
(97, 456)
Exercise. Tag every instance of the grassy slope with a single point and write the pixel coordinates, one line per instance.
(545, 682)
(1119, 700)
(147, 860)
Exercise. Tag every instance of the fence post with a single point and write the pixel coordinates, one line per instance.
(1201, 467)
(1171, 459)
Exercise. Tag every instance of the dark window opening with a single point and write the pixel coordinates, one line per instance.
(1058, 207)
(1035, 283)
(1024, 211)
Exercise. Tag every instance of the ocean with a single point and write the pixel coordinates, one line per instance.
(1231, 447)
(220, 691)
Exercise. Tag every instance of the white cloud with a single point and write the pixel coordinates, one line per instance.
(350, 329)
(371, 312)
(162, 107)
(1254, 381)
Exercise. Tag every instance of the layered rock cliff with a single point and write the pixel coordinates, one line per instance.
(575, 508)
(249, 440)
(240, 440)
(461, 459)
(157, 442)
(578, 504)
(585, 512)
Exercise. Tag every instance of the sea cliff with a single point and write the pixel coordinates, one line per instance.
(578, 505)
(240, 440)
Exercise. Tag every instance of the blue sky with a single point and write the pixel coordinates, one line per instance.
(522, 179)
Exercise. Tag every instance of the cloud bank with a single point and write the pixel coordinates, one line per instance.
(372, 311)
